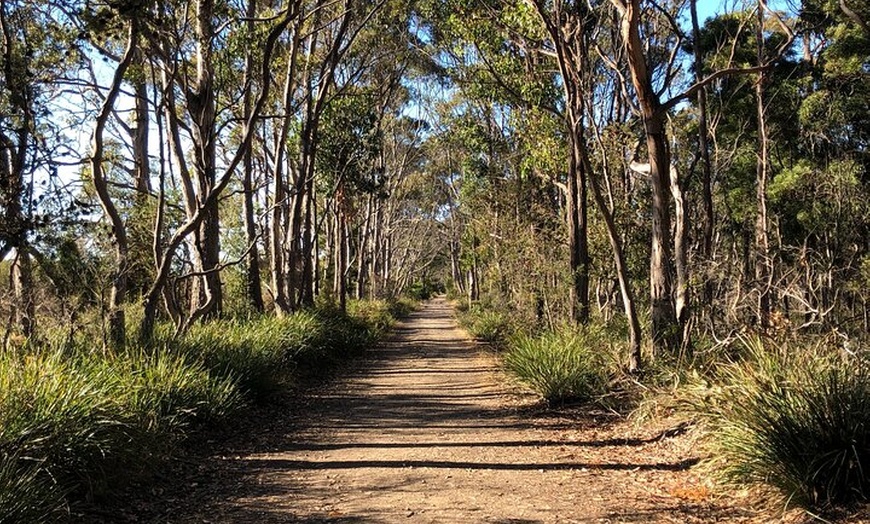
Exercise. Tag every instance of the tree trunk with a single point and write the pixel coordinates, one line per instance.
(665, 330)
(666, 333)
(118, 294)
(706, 164)
(628, 300)
(308, 242)
(377, 250)
(253, 284)
(281, 202)
(565, 26)
(762, 246)
(142, 164)
(681, 245)
(363, 256)
(342, 240)
(207, 296)
(577, 231)
(22, 283)
(13, 166)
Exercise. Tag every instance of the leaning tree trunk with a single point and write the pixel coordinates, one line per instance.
(622, 273)
(118, 294)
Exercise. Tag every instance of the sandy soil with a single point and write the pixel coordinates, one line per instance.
(426, 429)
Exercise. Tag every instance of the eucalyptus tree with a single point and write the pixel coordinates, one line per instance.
(314, 59)
(657, 93)
(35, 51)
(193, 78)
(572, 28)
(506, 58)
(17, 127)
(350, 146)
(118, 296)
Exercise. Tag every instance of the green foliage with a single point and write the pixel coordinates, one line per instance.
(792, 417)
(379, 315)
(78, 421)
(424, 289)
(257, 354)
(488, 325)
(559, 365)
(72, 419)
(350, 142)
(27, 492)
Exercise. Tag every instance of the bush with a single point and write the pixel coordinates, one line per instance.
(797, 419)
(487, 325)
(562, 365)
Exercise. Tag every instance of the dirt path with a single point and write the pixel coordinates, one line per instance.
(426, 431)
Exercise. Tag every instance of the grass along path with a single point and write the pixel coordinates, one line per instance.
(424, 429)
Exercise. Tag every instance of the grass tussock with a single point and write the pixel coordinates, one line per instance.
(796, 418)
(487, 325)
(560, 366)
(75, 421)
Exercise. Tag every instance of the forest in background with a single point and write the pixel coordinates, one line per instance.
(676, 197)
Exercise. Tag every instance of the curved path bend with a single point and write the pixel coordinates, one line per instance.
(425, 430)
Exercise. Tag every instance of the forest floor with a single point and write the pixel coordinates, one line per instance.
(426, 428)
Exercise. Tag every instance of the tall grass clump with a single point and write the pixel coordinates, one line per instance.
(264, 354)
(488, 325)
(258, 354)
(78, 421)
(28, 493)
(561, 365)
(379, 316)
(794, 418)
(165, 393)
(75, 423)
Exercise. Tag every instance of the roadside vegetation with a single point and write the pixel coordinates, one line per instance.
(78, 422)
(787, 415)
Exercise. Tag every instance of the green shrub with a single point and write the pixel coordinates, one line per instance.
(164, 393)
(487, 325)
(376, 316)
(55, 411)
(73, 422)
(562, 365)
(797, 419)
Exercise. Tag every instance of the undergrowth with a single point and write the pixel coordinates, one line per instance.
(795, 417)
(76, 421)
(562, 365)
(487, 325)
